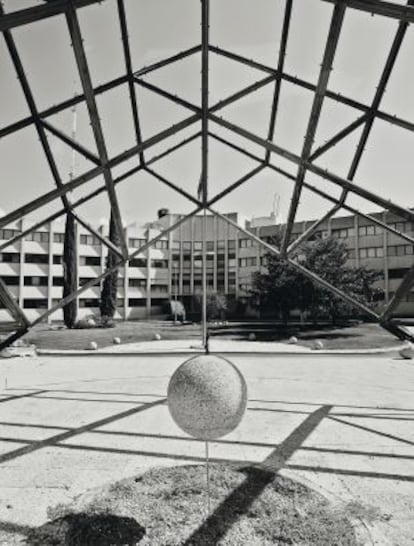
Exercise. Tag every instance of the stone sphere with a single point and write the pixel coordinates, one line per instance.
(293, 340)
(207, 397)
(91, 323)
(318, 345)
(407, 352)
(157, 337)
(252, 337)
(117, 340)
(93, 345)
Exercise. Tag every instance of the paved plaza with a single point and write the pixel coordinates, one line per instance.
(340, 423)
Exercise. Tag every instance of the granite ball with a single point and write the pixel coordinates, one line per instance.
(252, 336)
(93, 345)
(318, 345)
(207, 397)
(407, 352)
(117, 340)
(293, 340)
(157, 337)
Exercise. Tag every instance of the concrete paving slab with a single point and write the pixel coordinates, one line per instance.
(343, 424)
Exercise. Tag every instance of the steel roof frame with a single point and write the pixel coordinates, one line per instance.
(205, 114)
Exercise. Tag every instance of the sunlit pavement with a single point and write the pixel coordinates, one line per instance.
(343, 424)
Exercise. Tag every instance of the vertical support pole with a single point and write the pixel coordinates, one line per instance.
(208, 480)
(205, 22)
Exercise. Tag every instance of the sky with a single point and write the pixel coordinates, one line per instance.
(160, 28)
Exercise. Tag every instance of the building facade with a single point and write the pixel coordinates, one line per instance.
(172, 267)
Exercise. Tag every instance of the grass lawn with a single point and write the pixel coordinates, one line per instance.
(362, 336)
(249, 506)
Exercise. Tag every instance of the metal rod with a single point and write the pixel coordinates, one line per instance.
(280, 67)
(324, 173)
(315, 278)
(208, 480)
(379, 7)
(315, 190)
(311, 230)
(338, 137)
(168, 60)
(128, 66)
(85, 77)
(322, 85)
(172, 185)
(15, 310)
(400, 293)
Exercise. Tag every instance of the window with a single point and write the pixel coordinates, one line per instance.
(57, 281)
(176, 245)
(351, 254)
(38, 236)
(10, 281)
(89, 302)
(246, 243)
(231, 244)
(57, 259)
(137, 283)
(160, 264)
(159, 288)
(138, 262)
(198, 245)
(35, 281)
(35, 303)
(210, 246)
(187, 245)
(369, 230)
(232, 262)
(371, 252)
(221, 244)
(8, 233)
(136, 243)
(400, 250)
(58, 237)
(10, 257)
(402, 226)
(397, 273)
(244, 287)
(90, 260)
(36, 258)
(161, 244)
(89, 240)
(247, 262)
(137, 302)
(343, 233)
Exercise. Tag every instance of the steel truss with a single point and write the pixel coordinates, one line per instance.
(206, 115)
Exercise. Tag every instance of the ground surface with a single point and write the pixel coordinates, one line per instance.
(169, 508)
(341, 424)
(363, 336)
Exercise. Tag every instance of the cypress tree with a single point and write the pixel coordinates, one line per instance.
(70, 271)
(110, 283)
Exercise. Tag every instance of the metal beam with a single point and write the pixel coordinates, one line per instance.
(338, 137)
(390, 118)
(378, 7)
(68, 103)
(107, 272)
(315, 190)
(131, 86)
(96, 192)
(7, 298)
(173, 186)
(70, 142)
(324, 173)
(321, 87)
(280, 67)
(306, 272)
(167, 95)
(236, 184)
(311, 230)
(167, 61)
(400, 293)
(385, 76)
(84, 74)
(38, 13)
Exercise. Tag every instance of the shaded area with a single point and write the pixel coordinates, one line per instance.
(87, 530)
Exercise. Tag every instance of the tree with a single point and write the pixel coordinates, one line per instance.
(283, 288)
(70, 271)
(216, 304)
(110, 284)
